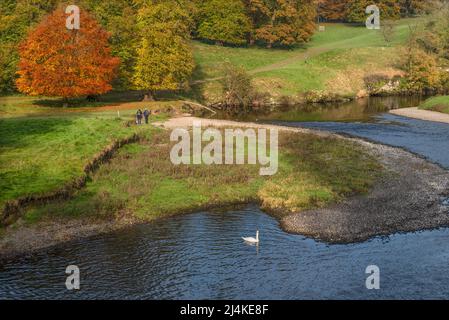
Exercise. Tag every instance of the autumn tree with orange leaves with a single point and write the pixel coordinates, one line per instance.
(282, 22)
(332, 10)
(58, 62)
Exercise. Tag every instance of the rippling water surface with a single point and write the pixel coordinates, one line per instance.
(202, 256)
(429, 139)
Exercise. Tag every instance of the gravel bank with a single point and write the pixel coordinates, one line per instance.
(408, 199)
(22, 240)
(426, 115)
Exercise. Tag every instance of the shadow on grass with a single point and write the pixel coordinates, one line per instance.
(16, 131)
(115, 98)
(76, 103)
(73, 103)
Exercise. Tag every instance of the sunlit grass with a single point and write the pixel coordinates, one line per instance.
(331, 55)
(142, 181)
(43, 148)
(439, 104)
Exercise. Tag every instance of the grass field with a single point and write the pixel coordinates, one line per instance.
(439, 104)
(323, 64)
(142, 182)
(42, 148)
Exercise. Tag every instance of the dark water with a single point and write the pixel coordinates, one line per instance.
(362, 110)
(201, 256)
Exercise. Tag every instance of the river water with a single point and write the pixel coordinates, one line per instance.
(202, 256)
(428, 139)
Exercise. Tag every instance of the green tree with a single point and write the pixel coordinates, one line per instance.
(223, 21)
(237, 87)
(423, 73)
(123, 28)
(119, 17)
(7, 7)
(435, 35)
(164, 57)
(422, 69)
(8, 67)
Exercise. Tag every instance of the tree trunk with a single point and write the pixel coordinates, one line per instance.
(252, 42)
(149, 96)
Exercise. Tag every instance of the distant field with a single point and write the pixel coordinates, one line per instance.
(335, 60)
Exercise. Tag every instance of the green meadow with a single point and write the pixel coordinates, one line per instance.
(43, 148)
(141, 182)
(439, 104)
(323, 64)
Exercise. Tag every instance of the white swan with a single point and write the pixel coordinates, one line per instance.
(251, 239)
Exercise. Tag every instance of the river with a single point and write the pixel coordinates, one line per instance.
(202, 256)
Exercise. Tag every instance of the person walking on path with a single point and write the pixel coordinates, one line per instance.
(146, 114)
(139, 116)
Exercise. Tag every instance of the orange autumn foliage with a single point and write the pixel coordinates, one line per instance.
(333, 10)
(55, 61)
